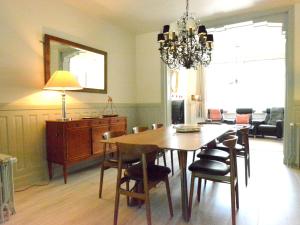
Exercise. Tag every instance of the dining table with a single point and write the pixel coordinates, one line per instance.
(168, 138)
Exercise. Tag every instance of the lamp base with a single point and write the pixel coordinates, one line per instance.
(64, 119)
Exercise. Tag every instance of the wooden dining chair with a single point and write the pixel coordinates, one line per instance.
(145, 174)
(110, 159)
(156, 126)
(242, 149)
(136, 130)
(218, 172)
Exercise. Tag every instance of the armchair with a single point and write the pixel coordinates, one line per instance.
(273, 125)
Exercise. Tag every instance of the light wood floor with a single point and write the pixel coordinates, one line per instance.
(272, 197)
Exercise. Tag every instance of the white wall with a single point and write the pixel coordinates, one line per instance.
(297, 52)
(23, 24)
(148, 75)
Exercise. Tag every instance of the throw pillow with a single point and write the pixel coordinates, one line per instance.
(242, 118)
(215, 114)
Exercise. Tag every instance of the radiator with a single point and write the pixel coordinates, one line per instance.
(7, 206)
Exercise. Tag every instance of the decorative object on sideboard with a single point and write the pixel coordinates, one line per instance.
(110, 109)
(187, 45)
(63, 81)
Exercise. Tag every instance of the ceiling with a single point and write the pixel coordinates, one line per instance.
(141, 16)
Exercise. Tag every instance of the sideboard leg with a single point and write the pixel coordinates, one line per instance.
(65, 173)
(50, 170)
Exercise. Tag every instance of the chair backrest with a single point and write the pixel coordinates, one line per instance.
(230, 142)
(245, 137)
(136, 130)
(156, 126)
(111, 134)
(275, 114)
(135, 150)
(215, 114)
(227, 135)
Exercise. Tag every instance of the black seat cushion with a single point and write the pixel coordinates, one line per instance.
(238, 147)
(267, 127)
(211, 167)
(155, 172)
(214, 154)
(127, 159)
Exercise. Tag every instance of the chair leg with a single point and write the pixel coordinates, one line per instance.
(101, 179)
(172, 162)
(199, 189)
(246, 171)
(248, 164)
(237, 195)
(194, 156)
(146, 189)
(164, 158)
(117, 198)
(169, 196)
(232, 189)
(191, 194)
(127, 189)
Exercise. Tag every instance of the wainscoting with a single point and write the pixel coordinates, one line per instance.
(148, 114)
(22, 134)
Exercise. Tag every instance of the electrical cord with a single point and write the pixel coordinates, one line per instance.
(30, 186)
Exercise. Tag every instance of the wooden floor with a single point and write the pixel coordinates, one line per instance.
(272, 197)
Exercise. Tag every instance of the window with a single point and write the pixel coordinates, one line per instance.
(247, 68)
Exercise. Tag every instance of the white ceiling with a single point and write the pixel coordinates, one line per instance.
(141, 16)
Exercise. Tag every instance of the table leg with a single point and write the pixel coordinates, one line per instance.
(182, 156)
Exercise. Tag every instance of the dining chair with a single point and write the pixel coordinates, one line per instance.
(162, 154)
(242, 149)
(217, 171)
(210, 151)
(110, 159)
(136, 130)
(145, 174)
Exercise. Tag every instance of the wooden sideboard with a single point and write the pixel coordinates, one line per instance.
(70, 142)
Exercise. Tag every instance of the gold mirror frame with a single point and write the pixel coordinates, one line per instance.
(47, 51)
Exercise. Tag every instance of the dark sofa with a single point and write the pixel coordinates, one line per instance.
(273, 124)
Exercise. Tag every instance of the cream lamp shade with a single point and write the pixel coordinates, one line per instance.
(62, 81)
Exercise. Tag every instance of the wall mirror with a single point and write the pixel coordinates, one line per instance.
(89, 65)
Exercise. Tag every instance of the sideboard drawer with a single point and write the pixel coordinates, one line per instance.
(118, 120)
(100, 122)
(76, 124)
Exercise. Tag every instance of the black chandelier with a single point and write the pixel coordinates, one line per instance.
(189, 46)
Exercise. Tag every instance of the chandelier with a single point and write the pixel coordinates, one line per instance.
(189, 46)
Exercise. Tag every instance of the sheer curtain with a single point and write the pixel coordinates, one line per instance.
(247, 68)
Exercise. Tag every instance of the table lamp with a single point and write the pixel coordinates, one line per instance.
(63, 81)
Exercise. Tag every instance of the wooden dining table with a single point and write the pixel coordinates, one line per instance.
(168, 138)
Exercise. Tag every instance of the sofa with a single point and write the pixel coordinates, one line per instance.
(267, 123)
(273, 124)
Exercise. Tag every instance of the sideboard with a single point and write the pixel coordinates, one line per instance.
(70, 142)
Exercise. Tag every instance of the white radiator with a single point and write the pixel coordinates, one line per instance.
(7, 206)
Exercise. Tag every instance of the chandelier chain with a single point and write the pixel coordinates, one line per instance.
(187, 8)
